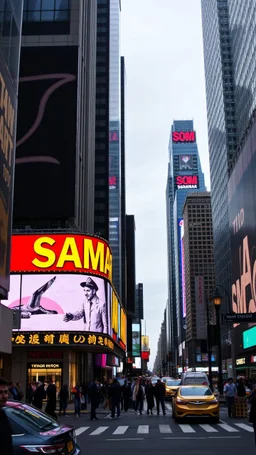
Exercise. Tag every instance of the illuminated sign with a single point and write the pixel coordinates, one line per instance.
(114, 136)
(184, 136)
(187, 182)
(241, 361)
(44, 366)
(72, 302)
(114, 315)
(186, 162)
(182, 265)
(144, 343)
(249, 338)
(112, 183)
(61, 252)
(123, 327)
(136, 339)
(61, 339)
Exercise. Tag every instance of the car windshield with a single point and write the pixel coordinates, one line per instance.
(195, 391)
(31, 416)
(173, 382)
(194, 380)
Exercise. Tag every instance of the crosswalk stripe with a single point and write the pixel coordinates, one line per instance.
(165, 429)
(98, 431)
(208, 428)
(143, 429)
(168, 406)
(245, 427)
(228, 428)
(81, 430)
(121, 429)
(186, 428)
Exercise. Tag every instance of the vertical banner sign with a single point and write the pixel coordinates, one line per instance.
(201, 325)
(136, 340)
(8, 102)
(123, 327)
(144, 343)
(115, 314)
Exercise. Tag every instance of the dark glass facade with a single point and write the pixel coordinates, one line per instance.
(47, 17)
(131, 278)
(101, 207)
(184, 162)
(10, 41)
(222, 136)
(139, 306)
(123, 186)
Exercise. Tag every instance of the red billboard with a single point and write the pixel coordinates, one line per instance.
(187, 182)
(184, 136)
(61, 253)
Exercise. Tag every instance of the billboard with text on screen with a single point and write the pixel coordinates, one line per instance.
(187, 182)
(136, 340)
(186, 162)
(62, 282)
(242, 222)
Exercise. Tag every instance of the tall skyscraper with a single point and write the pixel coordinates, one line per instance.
(198, 266)
(55, 159)
(184, 175)
(229, 54)
(115, 228)
(10, 39)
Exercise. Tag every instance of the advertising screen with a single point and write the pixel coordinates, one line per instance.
(187, 182)
(242, 222)
(186, 162)
(8, 102)
(46, 133)
(184, 136)
(123, 335)
(182, 266)
(61, 302)
(136, 340)
(144, 343)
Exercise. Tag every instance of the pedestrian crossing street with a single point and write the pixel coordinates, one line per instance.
(165, 429)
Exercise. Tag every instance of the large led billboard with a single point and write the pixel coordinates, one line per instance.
(242, 223)
(182, 265)
(186, 162)
(62, 283)
(187, 182)
(136, 339)
(183, 136)
(45, 169)
(61, 302)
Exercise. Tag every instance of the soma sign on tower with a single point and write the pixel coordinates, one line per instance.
(184, 136)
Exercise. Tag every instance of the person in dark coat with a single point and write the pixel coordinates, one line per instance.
(149, 390)
(126, 389)
(5, 427)
(39, 396)
(159, 392)
(63, 399)
(252, 415)
(94, 395)
(51, 400)
(114, 392)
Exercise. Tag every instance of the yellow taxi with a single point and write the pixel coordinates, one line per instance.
(195, 401)
(171, 386)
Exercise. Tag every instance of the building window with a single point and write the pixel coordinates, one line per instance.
(46, 11)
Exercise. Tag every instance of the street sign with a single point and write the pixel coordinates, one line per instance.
(239, 317)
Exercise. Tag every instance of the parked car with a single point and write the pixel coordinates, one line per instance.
(194, 377)
(33, 431)
(195, 401)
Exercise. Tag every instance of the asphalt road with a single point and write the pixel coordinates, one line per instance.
(134, 434)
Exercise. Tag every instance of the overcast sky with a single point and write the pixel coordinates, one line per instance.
(162, 44)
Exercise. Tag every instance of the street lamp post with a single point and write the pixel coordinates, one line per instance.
(217, 299)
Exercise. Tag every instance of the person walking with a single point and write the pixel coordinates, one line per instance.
(115, 394)
(140, 395)
(20, 391)
(159, 392)
(76, 392)
(94, 394)
(5, 427)
(126, 394)
(149, 390)
(51, 399)
(230, 393)
(63, 399)
(39, 396)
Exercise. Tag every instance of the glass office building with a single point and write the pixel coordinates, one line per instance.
(115, 143)
(184, 176)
